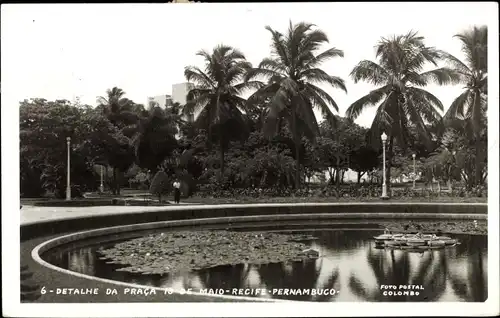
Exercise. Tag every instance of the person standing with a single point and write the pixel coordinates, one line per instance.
(177, 191)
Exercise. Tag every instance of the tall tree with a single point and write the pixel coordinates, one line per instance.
(120, 111)
(155, 138)
(290, 76)
(402, 103)
(471, 105)
(124, 115)
(216, 96)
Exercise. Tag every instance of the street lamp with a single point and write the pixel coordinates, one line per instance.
(384, 183)
(68, 182)
(414, 171)
(102, 179)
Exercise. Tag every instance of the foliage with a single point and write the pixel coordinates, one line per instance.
(289, 89)
(471, 105)
(271, 142)
(350, 191)
(159, 184)
(216, 96)
(44, 127)
(401, 102)
(155, 140)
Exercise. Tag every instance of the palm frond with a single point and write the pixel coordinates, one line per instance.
(311, 42)
(273, 65)
(416, 118)
(320, 94)
(475, 47)
(264, 93)
(315, 61)
(382, 121)
(370, 72)
(316, 75)
(317, 97)
(443, 76)
(194, 74)
(458, 106)
(371, 99)
(197, 101)
(483, 84)
(249, 85)
(455, 63)
(476, 113)
(256, 73)
(102, 101)
(278, 46)
(427, 97)
(306, 113)
(236, 71)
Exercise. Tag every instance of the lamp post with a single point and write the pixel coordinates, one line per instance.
(384, 183)
(102, 179)
(414, 171)
(68, 182)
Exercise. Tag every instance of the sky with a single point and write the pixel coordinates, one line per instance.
(69, 51)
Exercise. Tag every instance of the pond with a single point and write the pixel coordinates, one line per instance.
(350, 268)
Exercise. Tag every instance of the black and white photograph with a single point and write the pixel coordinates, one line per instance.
(288, 159)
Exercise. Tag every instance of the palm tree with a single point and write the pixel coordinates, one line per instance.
(120, 111)
(290, 91)
(123, 114)
(402, 103)
(155, 138)
(217, 95)
(472, 104)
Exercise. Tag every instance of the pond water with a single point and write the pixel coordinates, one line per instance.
(350, 268)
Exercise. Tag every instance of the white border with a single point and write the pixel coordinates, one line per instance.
(10, 239)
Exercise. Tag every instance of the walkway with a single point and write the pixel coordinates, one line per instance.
(33, 214)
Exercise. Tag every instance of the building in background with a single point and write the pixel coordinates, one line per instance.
(162, 101)
(180, 91)
(179, 94)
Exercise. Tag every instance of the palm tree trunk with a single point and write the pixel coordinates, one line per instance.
(221, 144)
(479, 170)
(118, 180)
(389, 161)
(114, 180)
(297, 153)
(107, 176)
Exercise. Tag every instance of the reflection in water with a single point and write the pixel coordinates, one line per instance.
(349, 263)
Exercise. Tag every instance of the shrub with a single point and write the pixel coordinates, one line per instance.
(159, 184)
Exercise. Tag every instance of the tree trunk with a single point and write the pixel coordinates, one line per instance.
(297, 152)
(221, 159)
(118, 182)
(479, 170)
(331, 172)
(359, 176)
(337, 178)
(106, 180)
(114, 181)
(388, 164)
